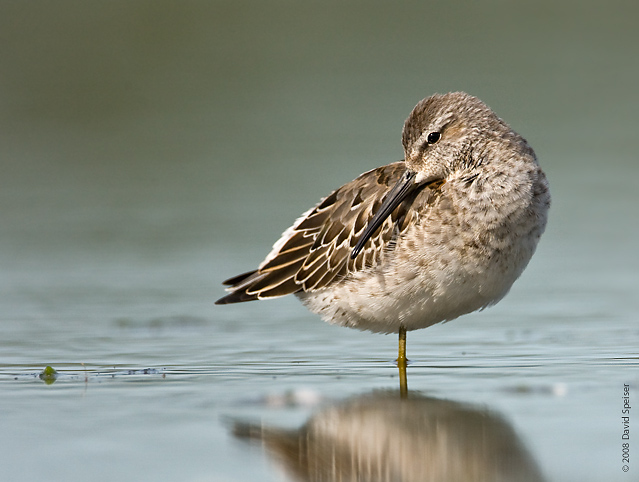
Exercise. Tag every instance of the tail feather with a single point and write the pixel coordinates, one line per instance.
(236, 297)
(242, 286)
(238, 279)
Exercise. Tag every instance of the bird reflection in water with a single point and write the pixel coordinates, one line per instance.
(382, 437)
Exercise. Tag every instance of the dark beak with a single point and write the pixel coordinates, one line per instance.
(405, 186)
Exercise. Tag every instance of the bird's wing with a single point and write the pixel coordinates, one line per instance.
(316, 250)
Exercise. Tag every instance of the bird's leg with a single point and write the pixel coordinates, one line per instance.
(401, 363)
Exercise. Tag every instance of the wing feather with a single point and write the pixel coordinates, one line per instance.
(315, 251)
(286, 258)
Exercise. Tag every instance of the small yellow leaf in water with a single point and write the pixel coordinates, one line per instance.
(48, 375)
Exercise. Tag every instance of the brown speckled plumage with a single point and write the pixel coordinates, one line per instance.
(442, 233)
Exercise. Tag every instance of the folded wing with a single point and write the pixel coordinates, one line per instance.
(315, 251)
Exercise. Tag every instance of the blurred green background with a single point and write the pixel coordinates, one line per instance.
(151, 124)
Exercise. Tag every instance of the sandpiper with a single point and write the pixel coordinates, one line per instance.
(444, 232)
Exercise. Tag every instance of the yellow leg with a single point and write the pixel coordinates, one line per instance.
(401, 363)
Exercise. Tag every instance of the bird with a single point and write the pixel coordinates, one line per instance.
(376, 437)
(444, 232)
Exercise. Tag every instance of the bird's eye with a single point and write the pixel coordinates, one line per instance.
(433, 137)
